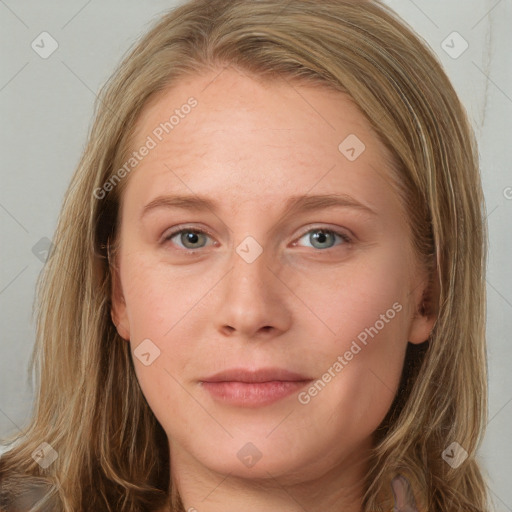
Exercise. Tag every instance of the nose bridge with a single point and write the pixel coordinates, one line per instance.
(250, 298)
(249, 266)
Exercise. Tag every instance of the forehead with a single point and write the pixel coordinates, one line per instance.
(262, 141)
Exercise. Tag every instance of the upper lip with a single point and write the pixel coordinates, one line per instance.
(255, 375)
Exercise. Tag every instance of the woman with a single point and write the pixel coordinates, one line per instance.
(198, 345)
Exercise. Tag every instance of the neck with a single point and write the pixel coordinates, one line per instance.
(335, 489)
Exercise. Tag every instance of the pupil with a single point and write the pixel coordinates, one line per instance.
(320, 237)
(191, 237)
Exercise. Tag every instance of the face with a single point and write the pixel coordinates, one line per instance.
(307, 303)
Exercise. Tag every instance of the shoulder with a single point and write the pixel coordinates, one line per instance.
(403, 495)
(20, 493)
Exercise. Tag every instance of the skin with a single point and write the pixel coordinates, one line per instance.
(298, 306)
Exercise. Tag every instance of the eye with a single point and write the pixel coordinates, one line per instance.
(188, 238)
(321, 238)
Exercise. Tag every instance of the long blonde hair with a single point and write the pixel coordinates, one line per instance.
(112, 452)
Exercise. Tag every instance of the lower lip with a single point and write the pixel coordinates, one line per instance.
(252, 394)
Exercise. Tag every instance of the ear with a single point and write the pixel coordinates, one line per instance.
(426, 309)
(118, 311)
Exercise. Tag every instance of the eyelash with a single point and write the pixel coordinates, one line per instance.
(346, 239)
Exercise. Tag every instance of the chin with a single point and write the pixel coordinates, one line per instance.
(248, 462)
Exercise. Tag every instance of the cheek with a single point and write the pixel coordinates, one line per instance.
(357, 299)
(157, 315)
(163, 306)
(362, 353)
(358, 379)
(158, 298)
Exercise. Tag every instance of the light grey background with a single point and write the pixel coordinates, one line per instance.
(46, 107)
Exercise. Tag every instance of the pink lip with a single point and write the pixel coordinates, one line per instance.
(253, 388)
(259, 375)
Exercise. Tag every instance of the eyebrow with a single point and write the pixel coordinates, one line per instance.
(294, 204)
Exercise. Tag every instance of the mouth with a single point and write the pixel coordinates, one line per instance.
(253, 388)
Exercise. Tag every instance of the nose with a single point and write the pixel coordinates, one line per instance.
(253, 302)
